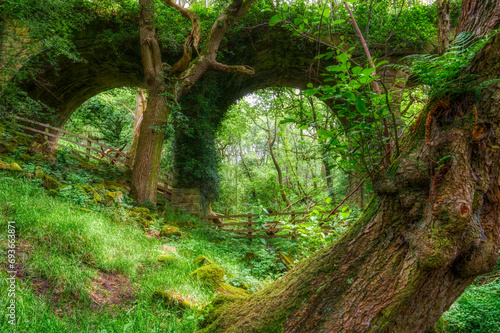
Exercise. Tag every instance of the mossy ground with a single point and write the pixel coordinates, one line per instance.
(88, 261)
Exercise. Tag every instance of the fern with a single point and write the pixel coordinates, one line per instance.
(447, 73)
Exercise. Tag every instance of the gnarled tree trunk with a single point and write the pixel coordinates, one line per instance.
(429, 231)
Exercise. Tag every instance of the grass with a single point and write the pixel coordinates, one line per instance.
(62, 251)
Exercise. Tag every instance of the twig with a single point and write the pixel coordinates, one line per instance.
(347, 197)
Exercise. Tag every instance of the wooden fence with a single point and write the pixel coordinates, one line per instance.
(253, 228)
(93, 149)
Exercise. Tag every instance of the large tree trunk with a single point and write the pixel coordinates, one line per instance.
(148, 154)
(443, 25)
(429, 231)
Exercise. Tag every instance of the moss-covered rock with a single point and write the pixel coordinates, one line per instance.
(166, 258)
(10, 167)
(50, 183)
(39, 172)
(226, 288)
(201, 260)
(170, 230)
(209, 275)
(173, 299)
(112, 197)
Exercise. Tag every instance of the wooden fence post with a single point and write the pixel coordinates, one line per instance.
(249, 234)
(89, 143)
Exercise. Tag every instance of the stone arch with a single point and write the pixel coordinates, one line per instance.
(279, 60)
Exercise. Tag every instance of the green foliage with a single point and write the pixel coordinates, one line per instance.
(446, 74)
(476, 311)
(103, 117)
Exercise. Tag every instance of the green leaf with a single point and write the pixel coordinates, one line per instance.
(287, 120)
(338, 22)
(297, 21)
(368, 71)
(360, 105)
(310, 85)
(275, 19)
(326, 12)
(325, 133)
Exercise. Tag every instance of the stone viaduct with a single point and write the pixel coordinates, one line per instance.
(279, 59)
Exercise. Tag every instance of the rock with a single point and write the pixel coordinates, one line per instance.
(172, 299)
(50, 183)
(142, 210)
(167, 249)
(39, 172)
(201, 260)
(112, 197)
(145, 223)
(210, 275)
(228, 289)
(166, 258)
(169, 230)
(10, 167)
(90, 190)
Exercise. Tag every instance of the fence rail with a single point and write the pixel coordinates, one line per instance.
(267, 229)
(102, 151)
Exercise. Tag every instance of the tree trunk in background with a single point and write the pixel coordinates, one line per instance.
(148, 154)
(420, 242)
(443, 25)
(140, 107)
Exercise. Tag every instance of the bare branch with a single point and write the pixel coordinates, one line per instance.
(192, 40)
(241, 69)
(207, 59)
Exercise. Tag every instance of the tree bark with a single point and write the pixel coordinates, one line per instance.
(428, 232)
(443, 25)
(140, 107)
(148, 154)
(186, 73)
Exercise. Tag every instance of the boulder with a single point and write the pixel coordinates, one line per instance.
(166, 258)
(10, 167)
(170, 230)
(209, 275)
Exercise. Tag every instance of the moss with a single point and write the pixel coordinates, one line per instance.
(169, 230)
(166, 258)
(201, 260)
(285, 260)
(226, 288)
(90, 190)
(145, 223)
(50, 183)
(209, 275)
(10, 167)
(112, 197)
(142, 210)
(173, 299)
